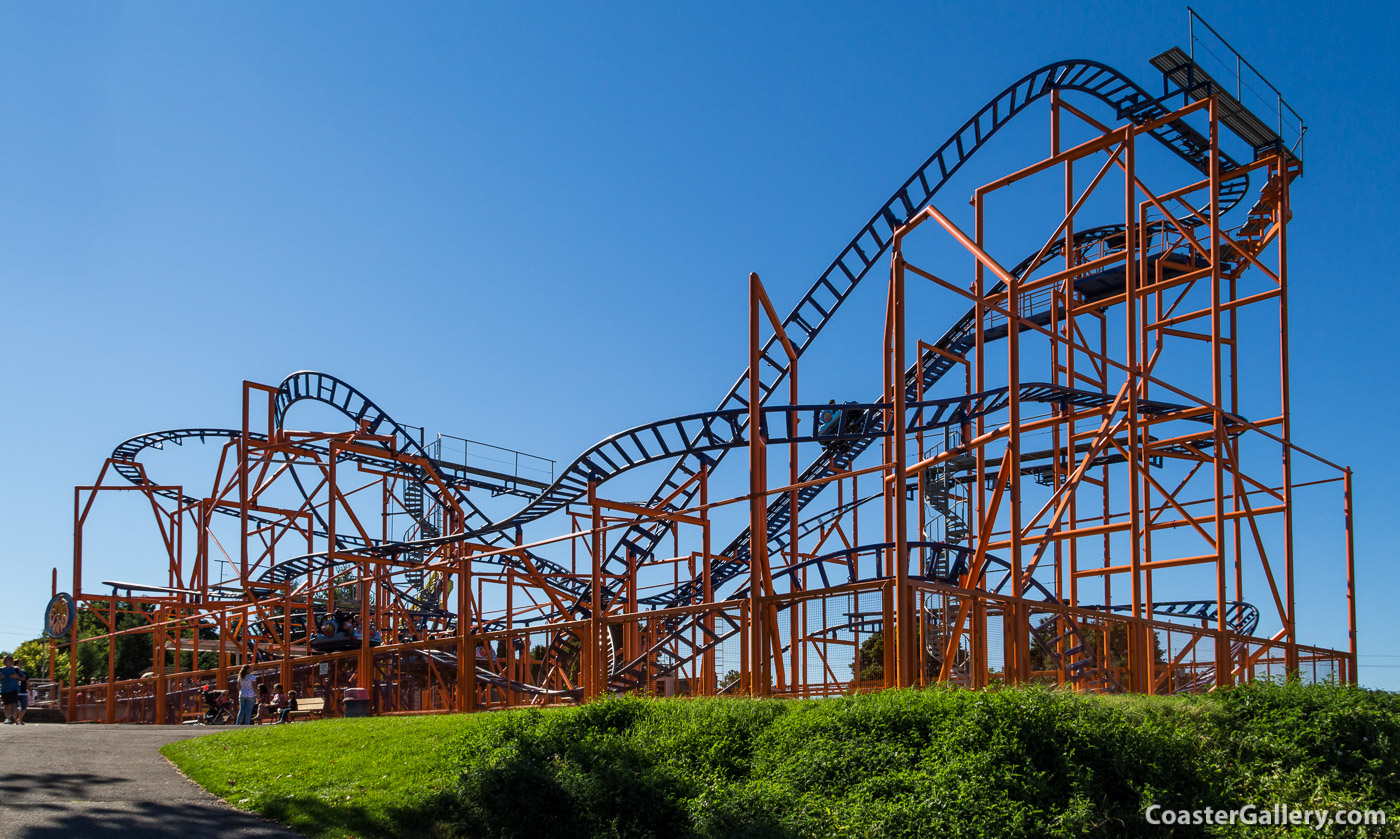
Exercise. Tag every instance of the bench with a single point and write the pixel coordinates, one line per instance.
(308, 708)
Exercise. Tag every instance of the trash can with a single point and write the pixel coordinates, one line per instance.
(356, 702)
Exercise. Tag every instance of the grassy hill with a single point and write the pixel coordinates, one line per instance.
(939, 762)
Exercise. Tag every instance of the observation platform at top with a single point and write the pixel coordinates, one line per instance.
(1248, 104)
(501, 470)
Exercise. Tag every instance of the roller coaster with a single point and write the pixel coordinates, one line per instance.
(1094, 525)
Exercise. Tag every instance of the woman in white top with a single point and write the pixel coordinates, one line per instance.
(247, 696)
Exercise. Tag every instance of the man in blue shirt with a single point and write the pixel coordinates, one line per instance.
(9, 688)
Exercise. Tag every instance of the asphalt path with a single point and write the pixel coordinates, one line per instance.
(109, 780)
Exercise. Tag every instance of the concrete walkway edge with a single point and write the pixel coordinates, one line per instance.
(110, 780)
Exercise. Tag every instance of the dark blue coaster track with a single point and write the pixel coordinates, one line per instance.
(688, 441)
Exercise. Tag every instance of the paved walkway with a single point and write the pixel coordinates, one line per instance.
(98, 781)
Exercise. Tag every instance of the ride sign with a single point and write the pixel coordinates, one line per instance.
(58, 615)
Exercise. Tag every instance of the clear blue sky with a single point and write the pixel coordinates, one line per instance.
(532, 224)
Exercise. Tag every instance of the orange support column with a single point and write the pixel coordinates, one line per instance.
(905, 619)
(759, 668)
(594, 682)
(466, 637)
(1351, 578)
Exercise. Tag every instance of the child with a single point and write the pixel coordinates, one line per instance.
(218, 708)
(278, 702)
(264, 702)
(288, 707)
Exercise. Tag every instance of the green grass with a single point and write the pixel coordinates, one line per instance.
(1008, 763)
(332, 778)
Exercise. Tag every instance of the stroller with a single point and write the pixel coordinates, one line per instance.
(218, 707)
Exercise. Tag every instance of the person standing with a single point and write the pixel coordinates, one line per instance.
(23, 695)
(247, 696)
(9, 688)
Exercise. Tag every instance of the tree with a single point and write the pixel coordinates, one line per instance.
(344, 591)
(537, 663)
(1092, 638)
(869, 665)
(33, 656)
(134, 652)
(871, 659)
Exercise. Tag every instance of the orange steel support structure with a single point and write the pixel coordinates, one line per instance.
(1089, 504)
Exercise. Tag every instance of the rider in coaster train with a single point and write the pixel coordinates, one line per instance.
(832, 422)
(829, 420)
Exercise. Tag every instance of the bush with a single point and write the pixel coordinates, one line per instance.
(1312, 747)
(1023, 762)
(1030, 762)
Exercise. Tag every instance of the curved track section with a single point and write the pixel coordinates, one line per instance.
(1241, 617)
(310, 385)
(329, 390)
(126, 461)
